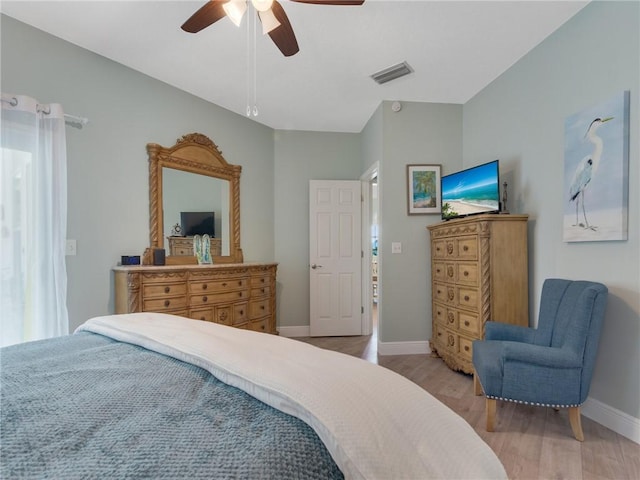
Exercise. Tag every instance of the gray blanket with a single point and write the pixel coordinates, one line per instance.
(85, 406)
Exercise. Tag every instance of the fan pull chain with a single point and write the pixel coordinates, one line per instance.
(252, 75)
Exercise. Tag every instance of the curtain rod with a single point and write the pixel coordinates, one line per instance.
(71, 120)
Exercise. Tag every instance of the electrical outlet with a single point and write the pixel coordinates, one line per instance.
(71, 248)
(396, 247)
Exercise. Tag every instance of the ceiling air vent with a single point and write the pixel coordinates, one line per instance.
(391, 73)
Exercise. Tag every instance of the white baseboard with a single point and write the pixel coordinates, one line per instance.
(614, 419)
(403, 348)
(292, 332)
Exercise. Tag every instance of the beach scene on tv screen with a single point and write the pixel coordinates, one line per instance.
(472, 191)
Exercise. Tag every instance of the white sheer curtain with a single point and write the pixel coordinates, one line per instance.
(33, 221)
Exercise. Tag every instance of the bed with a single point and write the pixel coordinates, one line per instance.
(150, 395)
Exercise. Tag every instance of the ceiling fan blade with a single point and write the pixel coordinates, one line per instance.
(331, 2)
(283, 36)
(208, 14)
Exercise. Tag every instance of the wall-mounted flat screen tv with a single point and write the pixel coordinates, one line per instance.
(197, 223)
(471, 191)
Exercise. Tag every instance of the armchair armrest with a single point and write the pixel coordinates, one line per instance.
(537, 355)
(508, 332)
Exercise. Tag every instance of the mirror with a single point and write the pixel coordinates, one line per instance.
(194, 176)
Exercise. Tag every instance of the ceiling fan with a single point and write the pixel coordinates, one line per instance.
(272, 16)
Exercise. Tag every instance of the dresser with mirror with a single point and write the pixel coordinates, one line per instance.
(193, 175)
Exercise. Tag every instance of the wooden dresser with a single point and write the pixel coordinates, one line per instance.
(241, 295)
(478, 273)
(183, 246)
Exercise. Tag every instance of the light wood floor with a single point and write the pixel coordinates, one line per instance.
(531, 442)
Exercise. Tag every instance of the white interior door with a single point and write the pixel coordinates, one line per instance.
(334, 258)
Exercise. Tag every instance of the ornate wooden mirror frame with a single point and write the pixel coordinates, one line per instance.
(194, 153)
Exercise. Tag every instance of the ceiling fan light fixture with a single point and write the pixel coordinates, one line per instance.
(269, 21)
(235, 10)
(262, 5)
(391, 73)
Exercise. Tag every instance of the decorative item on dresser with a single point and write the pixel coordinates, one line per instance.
(479, 273)
(238, 295)
(183, 246)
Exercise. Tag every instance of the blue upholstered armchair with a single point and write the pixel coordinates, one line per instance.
(550, 366)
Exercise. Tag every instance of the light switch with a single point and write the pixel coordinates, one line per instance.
(396, 247)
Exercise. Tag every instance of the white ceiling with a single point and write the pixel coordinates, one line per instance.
(456, 48)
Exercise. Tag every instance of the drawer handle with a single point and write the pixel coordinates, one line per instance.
(224, 284)
(167, 289)
(439, 334)
(261, 327)
(240, 294)
(439, 292)
(167, 303)
(205, 298)
(262, 280)
(239, 283)
(466, 274)
(466, 348)
(241, 312)
(437, 270)
(465, 248)
(466, 298)
(263, 290)
(204, 286)
(438, 313)
(201, 318)
(466, 323)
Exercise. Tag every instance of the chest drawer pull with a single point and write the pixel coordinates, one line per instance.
(224, 284)
(167, 303)
(465, 248)
(466, 323)
(466, 348)
(240, 294)
(167, 289)
(204, 286)
(466, 298)
(204, 299)
(465, 273)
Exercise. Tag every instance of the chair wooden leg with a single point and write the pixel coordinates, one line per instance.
(576, 423)
(491, 413)
(477, 388)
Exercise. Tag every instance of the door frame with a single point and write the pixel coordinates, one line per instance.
(367, 292)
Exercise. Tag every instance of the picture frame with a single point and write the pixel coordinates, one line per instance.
(424, 194)
(596, 172)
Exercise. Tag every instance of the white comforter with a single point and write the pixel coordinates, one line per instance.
(375, 423)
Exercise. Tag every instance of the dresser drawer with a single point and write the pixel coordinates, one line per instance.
(260, 281)
(164, 277)
(468, 274)
(259, 308)
(444, 293)
(163, 290)
(444, 272)
(164, 304)
(214, 298)
(439, 249)
(217, 285)
(469, 323)
(446, 339)
(465, 346)
(468, 298)
(467, 247)
(445, 316)
(258, 325)
(260, 292)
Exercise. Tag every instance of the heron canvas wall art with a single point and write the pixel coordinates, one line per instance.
(596, 162)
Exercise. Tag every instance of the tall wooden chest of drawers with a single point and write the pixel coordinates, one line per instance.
(478, 273)
(241, 295)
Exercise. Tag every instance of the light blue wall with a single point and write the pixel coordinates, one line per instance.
(108, 196)
(519, 118)
(300, 157)
(420, 133)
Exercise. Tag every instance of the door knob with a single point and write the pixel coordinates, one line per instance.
(314, 266)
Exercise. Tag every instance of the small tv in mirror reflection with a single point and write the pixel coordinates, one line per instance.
(197, 223)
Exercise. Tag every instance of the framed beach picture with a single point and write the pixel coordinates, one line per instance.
(596, 172)
(423, 189)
